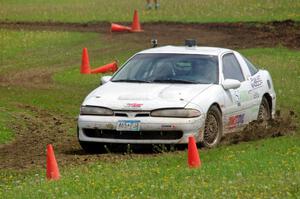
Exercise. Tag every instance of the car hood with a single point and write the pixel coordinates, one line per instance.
(143, 96)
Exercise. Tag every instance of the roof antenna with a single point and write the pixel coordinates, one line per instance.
(154, 43)
(190, 42)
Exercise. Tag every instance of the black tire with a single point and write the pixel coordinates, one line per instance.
(92, 147)
(264, 112)
(213, 128)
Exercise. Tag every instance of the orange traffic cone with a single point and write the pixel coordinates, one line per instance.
(193, 155)
(52, 168)
(119, 28)
(136, 26)
(85, 63)
(111, 67)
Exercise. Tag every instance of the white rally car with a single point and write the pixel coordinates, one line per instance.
(164, 95)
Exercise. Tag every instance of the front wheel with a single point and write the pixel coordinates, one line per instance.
(213, 128)
(92, 147)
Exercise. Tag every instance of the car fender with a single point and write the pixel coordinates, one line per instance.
(268, 88)
(213, 95)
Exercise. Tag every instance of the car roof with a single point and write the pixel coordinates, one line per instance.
(187, 50)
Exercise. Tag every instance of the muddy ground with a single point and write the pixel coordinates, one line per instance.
(37, 127)
(231, 35)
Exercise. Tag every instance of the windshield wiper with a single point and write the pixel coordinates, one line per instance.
(174, 81)
(131, 80)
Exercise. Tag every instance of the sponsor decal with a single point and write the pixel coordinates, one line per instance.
(235, 121)
(256, 81)
(134, 105)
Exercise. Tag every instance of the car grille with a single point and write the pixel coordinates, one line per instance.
(131, 114)
(133, 135)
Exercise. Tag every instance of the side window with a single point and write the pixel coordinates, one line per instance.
(232, 68)
(253, 70)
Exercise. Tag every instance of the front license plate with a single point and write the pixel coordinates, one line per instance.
(128, 125)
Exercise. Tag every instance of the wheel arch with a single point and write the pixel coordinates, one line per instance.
(217, 105)
(269, 99)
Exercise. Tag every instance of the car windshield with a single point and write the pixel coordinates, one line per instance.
(170, 68)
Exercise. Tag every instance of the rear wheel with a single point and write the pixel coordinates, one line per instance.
(213, 128)
(264, 113)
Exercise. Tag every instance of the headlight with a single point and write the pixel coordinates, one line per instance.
(187, 113)
(94, 110)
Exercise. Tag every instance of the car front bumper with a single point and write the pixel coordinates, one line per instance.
(153, 130)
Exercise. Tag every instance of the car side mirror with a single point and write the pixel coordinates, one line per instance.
(231, 84)
(105, 79)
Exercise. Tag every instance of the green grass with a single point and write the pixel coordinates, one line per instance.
(25, 53)
(6, 133)
(263, 169)
(171, 10)
(33, 49)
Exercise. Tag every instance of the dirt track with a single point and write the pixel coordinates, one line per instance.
(37, 129)
(231, 35)
(41, 127)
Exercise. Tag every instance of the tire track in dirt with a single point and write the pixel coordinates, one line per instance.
(283, 124)
(230, 35)
(37, 128)
(40, 78)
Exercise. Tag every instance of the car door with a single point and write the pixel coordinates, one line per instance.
(254, 82)
(236, 101)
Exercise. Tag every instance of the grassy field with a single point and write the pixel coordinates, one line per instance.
(41, 69)
(53, 58)
(262, 169)
(28, 54)
(6, 134)
(57, 55)
(171, 10)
